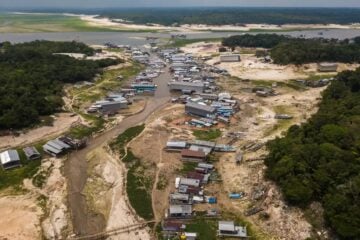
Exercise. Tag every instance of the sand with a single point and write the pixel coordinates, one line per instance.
(19, 218)
(62, 123)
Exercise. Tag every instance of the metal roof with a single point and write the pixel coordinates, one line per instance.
(180, 209)
(200, 107)
(31, 151)
(197, 148)
(190, 182)
(187, 84)
(61, 144)
(176, 144)
(179, 196)
(9, 156)
(228, 226)
(192, 153)
(205, 165)
(203, 143)
(52, 149)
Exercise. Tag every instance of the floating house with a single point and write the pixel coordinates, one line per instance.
(327, 67)
(180, 211)
(200, 110)
(230, 58)
(31, 153)
(193, 156)
(228, 229)
(10, 159)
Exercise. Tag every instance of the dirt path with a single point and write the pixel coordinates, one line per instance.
(158, 169)
(84, 221)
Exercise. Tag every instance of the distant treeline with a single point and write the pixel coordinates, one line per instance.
(32, 78)
(221, 16)
(287, 50)
(320, 160)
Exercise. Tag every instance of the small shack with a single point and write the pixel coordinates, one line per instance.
(193, 156)
(175, 145)
(55, 147)
(230, 58)
(327, 67)
(180, 211)
(10, 159)
(190, 182)
(31, 153)
(200, 110)
(228, 229)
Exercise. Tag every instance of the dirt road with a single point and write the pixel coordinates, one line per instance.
(85, 221)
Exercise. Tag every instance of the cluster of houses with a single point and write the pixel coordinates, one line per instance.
(62, 145)
(10, 158)
(197, 85)
(111, 104)
(189, 189)
(144, 81)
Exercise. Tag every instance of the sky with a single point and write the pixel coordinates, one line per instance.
(174, 3)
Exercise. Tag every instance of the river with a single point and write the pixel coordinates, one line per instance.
(138, 39)
(84, 220)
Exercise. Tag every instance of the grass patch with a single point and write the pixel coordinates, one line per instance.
(319, 77)
(268, 83)
(120, 142)
(138, 188)
(81, 131)
(10, 22)
(183, 42)
(205, 228)
(280, 125)
(188, 167)
(108, 81)
(14, 177)
(162, 183)
(207, 135)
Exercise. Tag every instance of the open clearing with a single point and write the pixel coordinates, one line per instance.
(62, 122)
(19, 217)
(251, 67)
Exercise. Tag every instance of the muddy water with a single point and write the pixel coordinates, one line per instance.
(137, 39)
(84, 220)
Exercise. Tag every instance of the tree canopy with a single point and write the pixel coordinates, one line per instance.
(320, 161)
(287, 50)
(32, 77)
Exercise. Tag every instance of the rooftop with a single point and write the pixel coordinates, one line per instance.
(9, 156)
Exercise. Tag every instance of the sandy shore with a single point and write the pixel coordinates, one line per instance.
(94, 20)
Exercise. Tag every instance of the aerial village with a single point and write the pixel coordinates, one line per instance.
(205, 104)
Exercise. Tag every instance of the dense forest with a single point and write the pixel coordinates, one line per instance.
(287, 50)
(320, 160)
(221, 15)
(32, 78)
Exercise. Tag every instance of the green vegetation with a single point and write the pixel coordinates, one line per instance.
(120, 142)
(206, 228)
(187, 167)
(207, 135)
(139, 181)
(81, 131)
(108, 81)
(162, 182)
(14, 177)
(138, 188)
(183, 42)
(259, 40)
(221, 16)
(319, 160)
(32, 78)
(28, 23)
(286, 50)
